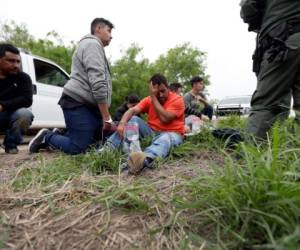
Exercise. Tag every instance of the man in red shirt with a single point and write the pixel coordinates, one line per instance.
(165, 123)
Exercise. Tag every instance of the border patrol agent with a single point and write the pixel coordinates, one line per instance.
(276, 61)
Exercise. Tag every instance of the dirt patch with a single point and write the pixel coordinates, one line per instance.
(10, 163)
(76, 216)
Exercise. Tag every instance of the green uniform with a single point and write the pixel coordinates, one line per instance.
(277, 11)
(278, 80)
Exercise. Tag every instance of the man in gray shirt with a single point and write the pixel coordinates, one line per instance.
(86, 96)
(195, 99)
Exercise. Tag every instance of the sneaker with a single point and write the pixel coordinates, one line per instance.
(135, 162)
(11, 150)
(38, 142)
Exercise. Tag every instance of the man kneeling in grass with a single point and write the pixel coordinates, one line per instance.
(165, 123)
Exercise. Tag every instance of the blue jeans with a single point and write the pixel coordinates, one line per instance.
(161, 144)
(84, 127)
(14, 124)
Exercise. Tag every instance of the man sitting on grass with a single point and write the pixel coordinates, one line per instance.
(165, 123)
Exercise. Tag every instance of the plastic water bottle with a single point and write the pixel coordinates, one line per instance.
(131, 141)
(196, 124)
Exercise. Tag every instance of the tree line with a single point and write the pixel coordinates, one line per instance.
(130, 73)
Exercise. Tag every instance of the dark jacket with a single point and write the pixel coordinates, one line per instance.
(120, 112)
(16, 92)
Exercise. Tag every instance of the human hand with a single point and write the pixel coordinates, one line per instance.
(187, 129)
(107, 126)
(121, 129)
(153, 89)
(199, 98)
(1, 108)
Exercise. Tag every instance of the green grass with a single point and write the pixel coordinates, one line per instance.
(233, 121)
(250, 201)
(253, 201)
(65, 168)
(127, 197)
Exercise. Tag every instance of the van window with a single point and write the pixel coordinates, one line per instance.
(49, 74)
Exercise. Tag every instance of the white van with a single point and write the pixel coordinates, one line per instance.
(48, 79)
(239, 105)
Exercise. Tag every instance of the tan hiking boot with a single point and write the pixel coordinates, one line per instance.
(135, 162)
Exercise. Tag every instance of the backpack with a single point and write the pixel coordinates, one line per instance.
(231, 136)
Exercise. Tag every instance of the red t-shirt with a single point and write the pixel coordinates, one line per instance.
(173, 104)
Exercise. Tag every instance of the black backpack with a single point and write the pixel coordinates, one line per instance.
(231, 136)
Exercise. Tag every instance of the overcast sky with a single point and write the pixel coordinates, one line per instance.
(214, 27)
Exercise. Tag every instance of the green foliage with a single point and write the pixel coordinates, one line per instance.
(250, 200)
(51, 47)
(65, 168)
(233, 121)
(204, 139)
(145, 142)
(132, 72)
(127, 197)
(16, 34)
(54, 172)
(130, 75)
(99, 163)
(195, 143)
(254, 201)
(184, 150)
(181, 63)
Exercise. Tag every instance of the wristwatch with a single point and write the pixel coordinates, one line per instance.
(110, 121)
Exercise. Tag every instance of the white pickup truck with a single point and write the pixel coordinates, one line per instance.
(48, 79)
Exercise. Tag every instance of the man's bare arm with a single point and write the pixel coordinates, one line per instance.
(125, 118)
(103, 107)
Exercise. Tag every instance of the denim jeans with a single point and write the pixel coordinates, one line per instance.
(14, 124)
(161, 144)
(84, 128)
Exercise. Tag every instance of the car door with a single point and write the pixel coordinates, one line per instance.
(48, 80)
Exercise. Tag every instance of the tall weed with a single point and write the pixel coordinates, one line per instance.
(253, 201)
